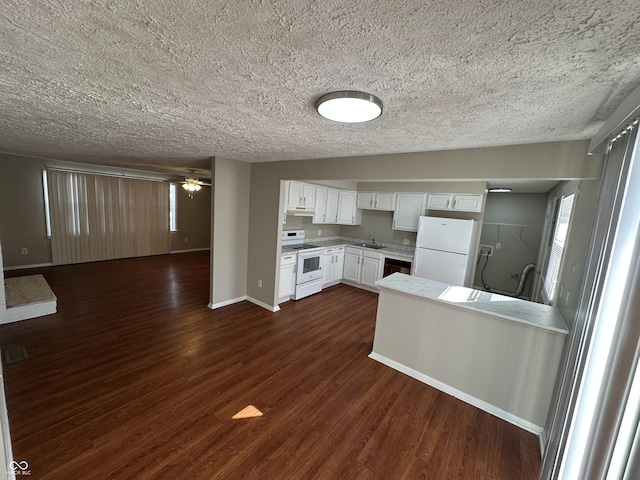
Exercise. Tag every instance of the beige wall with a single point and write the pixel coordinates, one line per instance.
(557, 160)
(519, 246)
(229, 230)
(194, 220)
(22, 220)
(22, 210)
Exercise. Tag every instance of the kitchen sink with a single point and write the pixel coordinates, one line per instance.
(371, 245)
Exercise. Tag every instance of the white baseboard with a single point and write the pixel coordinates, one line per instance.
(263, 305)
(25, 267)
(213, 306)
(454, 392)
(190, 250)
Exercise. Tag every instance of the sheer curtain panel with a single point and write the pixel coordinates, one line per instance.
(99, 217)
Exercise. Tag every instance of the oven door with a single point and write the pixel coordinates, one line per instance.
(309, 266)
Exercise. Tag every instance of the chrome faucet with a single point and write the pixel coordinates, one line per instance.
(373, 241)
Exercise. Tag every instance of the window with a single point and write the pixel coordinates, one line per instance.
(557, 248)
(173, 207)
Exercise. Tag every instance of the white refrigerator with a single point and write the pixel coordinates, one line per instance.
(445, 250)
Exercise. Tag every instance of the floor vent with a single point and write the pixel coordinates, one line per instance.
(15, 354)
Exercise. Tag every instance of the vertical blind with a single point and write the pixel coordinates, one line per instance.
(98, 217)
(557, 247)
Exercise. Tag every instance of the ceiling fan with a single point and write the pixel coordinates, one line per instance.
(192, 183)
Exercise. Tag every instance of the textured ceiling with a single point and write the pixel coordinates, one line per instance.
(170, 83)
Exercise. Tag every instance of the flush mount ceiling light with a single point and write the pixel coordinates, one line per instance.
(349, 106)
(500, 190)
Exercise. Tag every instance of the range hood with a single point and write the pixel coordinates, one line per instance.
(301, 211)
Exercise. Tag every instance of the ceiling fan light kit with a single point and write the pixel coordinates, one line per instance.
(349, 106)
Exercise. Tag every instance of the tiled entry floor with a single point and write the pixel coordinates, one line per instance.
(29, 297)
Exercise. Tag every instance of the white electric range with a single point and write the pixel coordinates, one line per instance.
(308, 266)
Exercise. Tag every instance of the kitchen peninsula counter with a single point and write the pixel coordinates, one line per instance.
(498, 353)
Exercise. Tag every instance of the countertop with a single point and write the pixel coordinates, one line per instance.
(388, 250)
(529, 313)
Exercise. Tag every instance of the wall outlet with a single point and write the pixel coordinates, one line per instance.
(405, 241)
(259, 283)
(24, 251)
(186, 239)
(498, 246)
(319, 233)
(486, 251)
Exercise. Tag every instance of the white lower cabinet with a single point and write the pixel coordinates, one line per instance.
(371, 269)
(362, 267)
(333, 265)
(287, 277)
(352, 264)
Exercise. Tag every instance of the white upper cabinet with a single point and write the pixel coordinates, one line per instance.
(385, 201)
(438, 201)
(459, 202)
(326, 207)
(409, 208)
(320, 208)
(301, 194)
(332, 206)
(348, 214)
(467, 202)
(376, 200)
(366, 200)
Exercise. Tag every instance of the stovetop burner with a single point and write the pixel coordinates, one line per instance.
(303, 246)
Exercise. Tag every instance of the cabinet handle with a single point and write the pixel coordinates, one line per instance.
(353, 219)
(324, 217)
(371, 205)
(287, 258)
(453, 204)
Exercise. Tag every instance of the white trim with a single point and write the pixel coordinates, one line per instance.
(213, 306)
(190, 250)
(543, 439)
(263, 305)
(25, 267)
(454, 392)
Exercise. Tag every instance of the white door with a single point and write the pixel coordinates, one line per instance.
(370, 269)
(327, 269)
(443, 267)
(385, 201)
(294, 194)
(346, 207)
(365, 200)
(409, 207)
(287, 280)
(332, 206)
(308, 195)
(320, 208)
(467, 203)
(352, 267)
(338, 267)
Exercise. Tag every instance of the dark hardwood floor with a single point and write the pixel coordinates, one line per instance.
(135, 378)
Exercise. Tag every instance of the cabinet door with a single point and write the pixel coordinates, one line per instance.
(439, 201)
(308, 195)
(352, 267)
(294, 194)
(320, 207)
(385, 201)
(467, 203)
(338, 267)
(347, 207)
(331, 213)
(366, 200)
(327, 267)
(370, 269)
(409, 208)
(287, 280)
